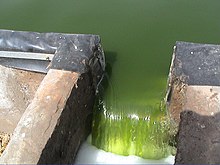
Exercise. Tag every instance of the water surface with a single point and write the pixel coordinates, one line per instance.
(138, 34)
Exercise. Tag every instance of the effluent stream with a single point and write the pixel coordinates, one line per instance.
(138, 37)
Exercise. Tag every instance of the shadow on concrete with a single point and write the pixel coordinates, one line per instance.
(198, 139)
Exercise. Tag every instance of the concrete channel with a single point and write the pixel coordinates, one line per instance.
(46, 106)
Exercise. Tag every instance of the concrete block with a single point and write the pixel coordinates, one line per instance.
(193, 100)
(47, 115)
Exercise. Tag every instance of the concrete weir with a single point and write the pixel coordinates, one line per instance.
(194, 102)
(46, 106)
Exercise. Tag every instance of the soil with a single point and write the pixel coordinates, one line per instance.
(4, 140)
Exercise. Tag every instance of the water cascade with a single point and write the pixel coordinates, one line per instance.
(131, 129)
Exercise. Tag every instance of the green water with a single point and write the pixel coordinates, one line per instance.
(137, 36)
(139, 33)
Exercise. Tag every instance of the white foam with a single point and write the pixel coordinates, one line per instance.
(89, 154)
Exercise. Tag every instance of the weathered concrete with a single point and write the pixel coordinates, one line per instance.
(193, 65)
(55, 121)
(204, 100)
(55, 117)
(17, 89)
(198, 139)
(74, 125)
(194, 92)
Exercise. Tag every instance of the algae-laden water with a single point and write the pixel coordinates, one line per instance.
(137, 36)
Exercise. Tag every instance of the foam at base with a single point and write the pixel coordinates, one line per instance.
(89, 154)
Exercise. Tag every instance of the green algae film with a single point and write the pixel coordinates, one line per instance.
(132, 130)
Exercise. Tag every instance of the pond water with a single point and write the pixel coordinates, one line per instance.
(137, 36)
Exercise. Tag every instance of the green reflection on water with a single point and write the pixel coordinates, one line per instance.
(137, 35)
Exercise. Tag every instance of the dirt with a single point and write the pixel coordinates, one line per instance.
(4, 140)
